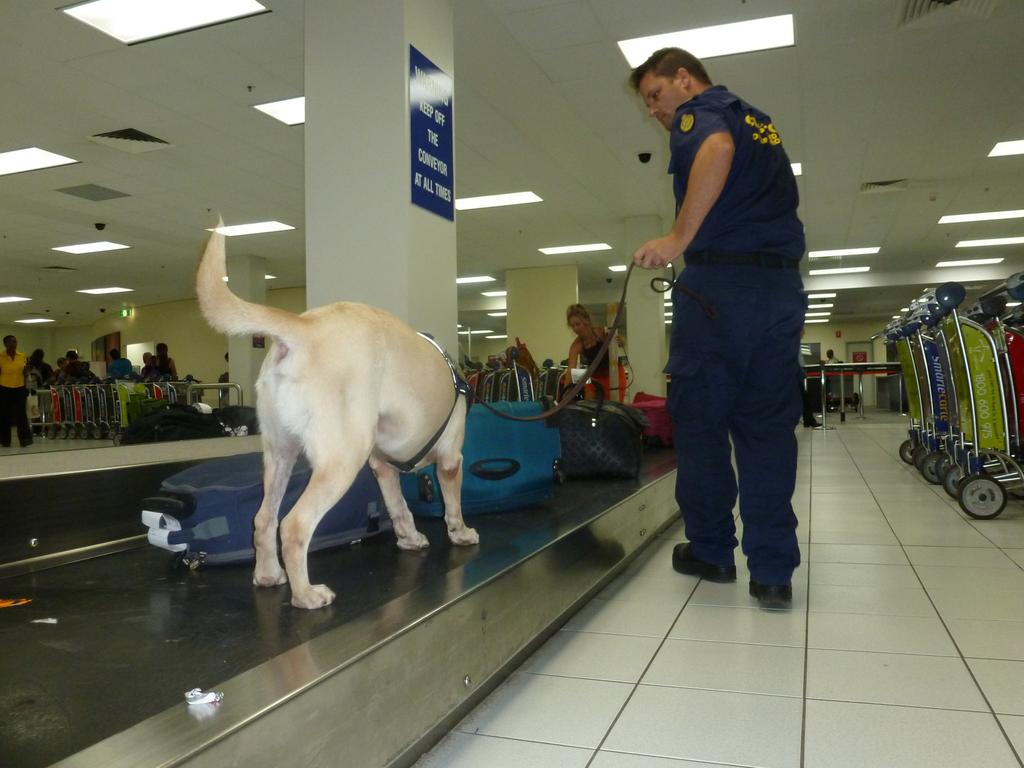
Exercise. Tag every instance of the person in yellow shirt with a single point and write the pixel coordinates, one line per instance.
(13, 394)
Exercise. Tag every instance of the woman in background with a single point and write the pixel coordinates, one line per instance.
(13, 394)
(587, 345)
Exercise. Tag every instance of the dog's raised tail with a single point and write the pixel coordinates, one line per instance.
(230, 314)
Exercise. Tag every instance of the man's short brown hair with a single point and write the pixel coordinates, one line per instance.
(665, 62)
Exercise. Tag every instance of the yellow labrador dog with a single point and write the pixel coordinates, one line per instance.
(345, 383)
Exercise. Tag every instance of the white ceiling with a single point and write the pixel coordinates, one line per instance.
(541, 103)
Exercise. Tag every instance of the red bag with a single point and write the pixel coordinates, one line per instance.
(659, 433)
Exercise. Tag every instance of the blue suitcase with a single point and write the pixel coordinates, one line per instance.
(205, 513)
(506, 464)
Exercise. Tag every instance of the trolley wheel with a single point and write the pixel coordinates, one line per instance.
(951, 480)
(981, 497)
(930, 467)
(907, 451)
(942, 466)
(918, 457)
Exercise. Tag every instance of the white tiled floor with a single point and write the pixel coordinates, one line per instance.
(904, 646)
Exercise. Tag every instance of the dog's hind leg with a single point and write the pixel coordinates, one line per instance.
(449, 476)
(401, 517)
(279, 454)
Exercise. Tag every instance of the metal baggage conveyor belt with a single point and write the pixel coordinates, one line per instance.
(95, 667)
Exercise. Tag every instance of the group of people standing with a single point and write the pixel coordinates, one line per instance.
(19, 374)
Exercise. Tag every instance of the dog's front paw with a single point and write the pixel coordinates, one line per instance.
(269, 577)
(464, 537)
(414, 540)
(315, 596)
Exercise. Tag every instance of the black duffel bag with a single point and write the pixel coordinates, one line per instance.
(175, 422)
(600, 439)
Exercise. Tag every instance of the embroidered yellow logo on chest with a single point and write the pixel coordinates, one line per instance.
(686, 123)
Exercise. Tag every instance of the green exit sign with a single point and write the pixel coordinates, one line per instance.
(125, 312)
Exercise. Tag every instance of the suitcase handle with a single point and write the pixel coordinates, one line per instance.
(505, 468)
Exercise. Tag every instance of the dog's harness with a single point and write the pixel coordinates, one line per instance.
(461, 388)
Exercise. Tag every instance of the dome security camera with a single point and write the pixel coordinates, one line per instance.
(644, 157)
(103, 309)
(100, 226)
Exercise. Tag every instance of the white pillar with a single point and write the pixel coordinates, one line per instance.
(645, 316)
(247, 275)
(365, 240)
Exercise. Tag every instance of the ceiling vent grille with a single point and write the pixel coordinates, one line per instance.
(891, 185)
(61, 269)
(130, 140)
(93, 192)
(919, 13)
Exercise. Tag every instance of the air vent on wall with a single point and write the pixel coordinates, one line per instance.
(61, 269)
(890, 185)
(921, 13)
(93, 192)
(130, 140)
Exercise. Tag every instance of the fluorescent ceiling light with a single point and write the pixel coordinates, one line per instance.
(131, 21)
(798, 169)
(843, 252)
(494, 294)
(495, 201)
(718, 40)
(12, 299)
(288, 111)
(96, 247)
(969, 262)
(618, 267)
(668, 303)
(990, 241)
(497, 336)
(961, 218)
(97, 291)
(477, 279)
(34, 320)
(839, 271)
(31, 159)
(1013, 304)
(821, 295)
(820, 306)
(808, 322)
(474, 333)
(256, 228)
(584, 248)
(817, 314)
(497, 314)
(896, 317)
(668, 322)
(1004, 148)
(265, 277)
(668, 314)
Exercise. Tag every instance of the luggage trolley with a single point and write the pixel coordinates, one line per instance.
(988, 447)
(923, 435)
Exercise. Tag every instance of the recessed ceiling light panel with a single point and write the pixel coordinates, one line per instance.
(474, 279)
(34, 320)
(256, 228)
(12, 299)
(30, 159)
(582, 248)
(288, 111)
(839, 271)
(969, 262)
(843, 252)
(990, 241)
(1004, 148)
(962, 218)
(496, 201)
(718, 40)
(97, 247)
(132, 21)
(100, 291)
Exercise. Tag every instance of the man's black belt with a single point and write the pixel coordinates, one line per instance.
(745, 259)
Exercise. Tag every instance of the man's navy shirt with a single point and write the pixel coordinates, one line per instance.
(756, 211)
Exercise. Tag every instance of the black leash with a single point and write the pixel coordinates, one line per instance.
(659, 285)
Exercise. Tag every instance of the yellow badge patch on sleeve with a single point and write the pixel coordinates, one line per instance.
(686, 123)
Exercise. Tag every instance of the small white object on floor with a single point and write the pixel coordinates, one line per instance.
(199, 696)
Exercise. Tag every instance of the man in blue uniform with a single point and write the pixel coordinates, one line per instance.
(737, 312)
